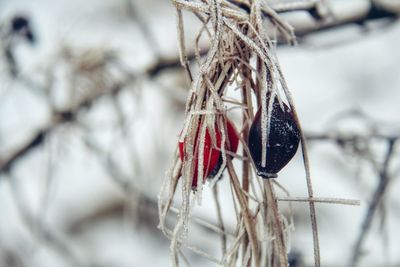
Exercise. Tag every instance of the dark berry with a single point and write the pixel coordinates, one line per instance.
(282, 143)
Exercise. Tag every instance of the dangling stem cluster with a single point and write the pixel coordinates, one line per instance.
(241, 54)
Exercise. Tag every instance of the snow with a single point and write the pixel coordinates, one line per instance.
(327, 77)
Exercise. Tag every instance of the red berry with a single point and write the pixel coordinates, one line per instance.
(212, 158)
(233, 137)
(283, 140)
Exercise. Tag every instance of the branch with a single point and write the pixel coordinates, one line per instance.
(384, 179)
(347, 138)
(61, 117)
(373, 13)
(70, 115)
(323, 21)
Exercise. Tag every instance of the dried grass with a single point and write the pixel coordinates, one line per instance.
(243, 54)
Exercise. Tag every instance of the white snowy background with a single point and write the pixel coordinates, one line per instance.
(329, 74)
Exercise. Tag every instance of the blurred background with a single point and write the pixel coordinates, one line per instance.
(92, 99)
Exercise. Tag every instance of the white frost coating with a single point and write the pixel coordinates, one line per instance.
(189, 117)
(165, 187)
(207, 125)
(215, 98)
(181, 37)
(200, 159)
(264, 110)
(217, 23)
(187, 171)
(268, 59)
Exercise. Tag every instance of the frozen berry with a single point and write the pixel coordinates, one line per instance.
(212, 158)
(282, 143)
(233, 138)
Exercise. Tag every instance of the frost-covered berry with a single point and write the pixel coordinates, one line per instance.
(212, 157)
(282, 140)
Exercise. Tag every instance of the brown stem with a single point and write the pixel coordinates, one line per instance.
(277, 223)
(246, 213)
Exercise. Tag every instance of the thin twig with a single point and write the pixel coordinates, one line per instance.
(384, 179)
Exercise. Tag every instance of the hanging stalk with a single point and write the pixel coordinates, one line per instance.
(236, 33)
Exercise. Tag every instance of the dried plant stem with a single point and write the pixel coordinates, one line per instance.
(246, 214)
(236, 32)
(317, 256)
(247, 114)
(340, 201)
(277, 223)
(182, 47)
(163, 209)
